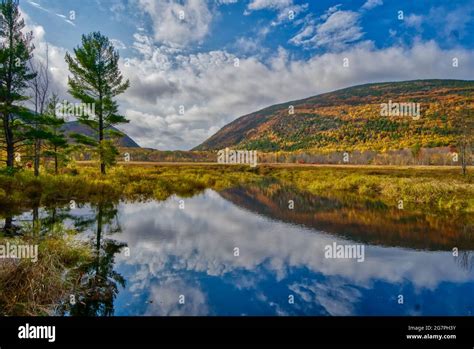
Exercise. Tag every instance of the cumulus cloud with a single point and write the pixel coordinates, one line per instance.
(178, 23)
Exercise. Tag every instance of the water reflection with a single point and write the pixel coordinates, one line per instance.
(183, 261)
(100, 282)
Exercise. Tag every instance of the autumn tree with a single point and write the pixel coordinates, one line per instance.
(96, 80)
(464, 131)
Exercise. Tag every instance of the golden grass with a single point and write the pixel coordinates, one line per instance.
(433, 188)
(30, 288)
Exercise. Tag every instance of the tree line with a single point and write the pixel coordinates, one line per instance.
(31, 122)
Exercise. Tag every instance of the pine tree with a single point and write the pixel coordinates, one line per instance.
(15, 52)
(96, 80)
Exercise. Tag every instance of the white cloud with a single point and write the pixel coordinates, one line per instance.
(178, 23)
(118, 44)
(450, 25)
(63, 17)
(335, 296)
(338, 29)
(248, 45)
(226, 2)
(287, 10)
(370, 4)
(269, 4)
(453, 24)
(414, 21)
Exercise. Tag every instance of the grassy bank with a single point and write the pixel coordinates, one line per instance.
(31, 288)
(418, 188)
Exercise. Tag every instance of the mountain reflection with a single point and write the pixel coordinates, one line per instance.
(362, 222)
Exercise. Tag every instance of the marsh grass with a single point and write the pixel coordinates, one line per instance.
(30, 288)
(433, 189)
(426, 189)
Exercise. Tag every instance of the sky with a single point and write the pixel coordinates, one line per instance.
(196, 65)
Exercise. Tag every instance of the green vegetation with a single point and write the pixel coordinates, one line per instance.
(83, 184)
(434, 188)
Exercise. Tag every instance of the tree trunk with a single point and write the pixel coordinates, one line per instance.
(37, 156)
(55, 160)
(10, 146)
(10, 153)
(464, 160)
(101, 138)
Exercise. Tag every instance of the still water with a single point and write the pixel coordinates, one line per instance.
(245, 252)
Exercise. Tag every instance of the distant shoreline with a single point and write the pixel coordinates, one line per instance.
(177, 163)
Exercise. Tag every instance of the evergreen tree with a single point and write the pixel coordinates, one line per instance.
(15, 52)
(96, 80)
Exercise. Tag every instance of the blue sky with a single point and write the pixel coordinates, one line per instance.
(196, 65)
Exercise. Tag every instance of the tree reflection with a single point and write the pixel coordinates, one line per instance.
(99, 282)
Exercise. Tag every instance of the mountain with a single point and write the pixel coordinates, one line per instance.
(352, 119)
(77, 127)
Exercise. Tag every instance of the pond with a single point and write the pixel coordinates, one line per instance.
(263, 251)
